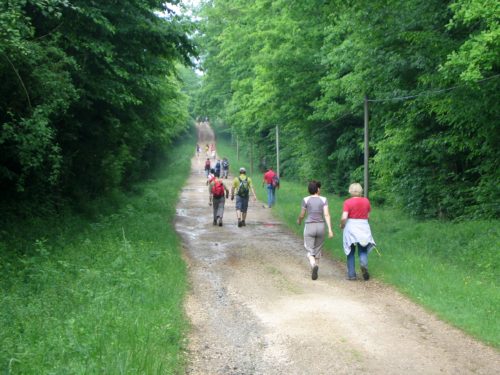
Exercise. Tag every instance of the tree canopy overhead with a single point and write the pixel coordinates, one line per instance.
(90, 94)
(429, 68)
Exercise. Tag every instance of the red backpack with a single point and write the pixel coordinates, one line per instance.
(218, 189)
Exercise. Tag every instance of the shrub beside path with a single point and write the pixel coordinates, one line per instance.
(255, 310)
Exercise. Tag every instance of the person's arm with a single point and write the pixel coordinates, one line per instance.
(301, 215)
(326, 214)
(253, 192)
(343, 219)
(210, 194)
(232, 191)
(226, 189)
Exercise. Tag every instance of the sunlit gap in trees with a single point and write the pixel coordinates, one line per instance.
(185, 9)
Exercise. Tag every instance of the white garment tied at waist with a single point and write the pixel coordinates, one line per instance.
(357, 231)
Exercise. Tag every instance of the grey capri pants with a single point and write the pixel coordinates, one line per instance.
(314, 238)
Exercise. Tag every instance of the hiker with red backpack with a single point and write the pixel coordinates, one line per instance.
(207, 167)
(272, 182)
(217, 194)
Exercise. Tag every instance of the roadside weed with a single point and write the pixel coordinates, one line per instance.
(100, 295)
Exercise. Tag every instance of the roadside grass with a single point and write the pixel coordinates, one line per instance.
(452, 269)
(100, 295)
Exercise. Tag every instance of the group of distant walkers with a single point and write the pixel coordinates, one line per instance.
(210, 151)
(218, 193)
(314, 212)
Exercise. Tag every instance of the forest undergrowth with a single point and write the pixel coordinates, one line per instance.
(98, 294)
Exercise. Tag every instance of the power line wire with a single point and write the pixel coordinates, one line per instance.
(430, 92)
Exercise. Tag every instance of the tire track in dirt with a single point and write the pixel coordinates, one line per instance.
(255, 310)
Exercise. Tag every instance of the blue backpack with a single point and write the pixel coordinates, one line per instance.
(276, 181)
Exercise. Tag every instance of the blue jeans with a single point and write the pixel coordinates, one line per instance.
(363, 259)
(270, 195)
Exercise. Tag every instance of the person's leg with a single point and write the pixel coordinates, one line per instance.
(244, 209)
(363, 261)
(215, 205)
(220, 210)
(311, 242)
(238, 210)
(319, 240)
(273, 196)
(269, 196)
(351, 270)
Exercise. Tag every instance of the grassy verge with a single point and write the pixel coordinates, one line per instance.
(451, 269)
(101, 295)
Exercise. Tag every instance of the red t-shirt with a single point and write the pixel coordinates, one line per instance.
(268, 176)
(357, 207)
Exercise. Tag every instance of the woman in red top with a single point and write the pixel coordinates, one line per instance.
(357, 232)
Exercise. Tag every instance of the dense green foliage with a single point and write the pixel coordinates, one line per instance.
(431, 72)
(98, 294)
(90, 95)
(450, 268)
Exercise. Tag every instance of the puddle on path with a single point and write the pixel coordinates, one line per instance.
(181, 212)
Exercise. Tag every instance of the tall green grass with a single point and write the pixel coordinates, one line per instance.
(451, 269)
(99, 295)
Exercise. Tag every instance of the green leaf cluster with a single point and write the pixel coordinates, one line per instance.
(91, 95)
(430, 70)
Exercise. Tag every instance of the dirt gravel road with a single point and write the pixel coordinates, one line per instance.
(255, 310)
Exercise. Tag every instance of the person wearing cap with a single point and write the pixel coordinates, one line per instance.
(242, 185)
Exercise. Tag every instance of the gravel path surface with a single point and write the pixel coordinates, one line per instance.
(255, 310)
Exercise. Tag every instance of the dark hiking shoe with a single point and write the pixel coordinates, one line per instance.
(314, 275)
(352, 278)
(365, 273)
(215, 222)
(243, 223)
(220, 222)
(239, 224)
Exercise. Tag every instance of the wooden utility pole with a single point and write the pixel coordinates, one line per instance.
(251, 157)
(277, 151)
(366, 150)
(237, 148)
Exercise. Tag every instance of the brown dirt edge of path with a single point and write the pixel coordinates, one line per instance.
(254, 309)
